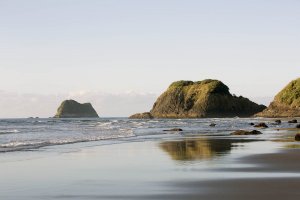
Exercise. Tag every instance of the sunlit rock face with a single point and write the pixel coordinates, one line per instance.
(286, 103)
(73, 109)
(207, 98)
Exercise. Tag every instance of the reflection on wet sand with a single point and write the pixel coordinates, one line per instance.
(198, 149)
(292, 146)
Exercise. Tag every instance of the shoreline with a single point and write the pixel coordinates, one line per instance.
(170, 168)
(200, 128)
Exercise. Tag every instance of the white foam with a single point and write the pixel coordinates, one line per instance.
(9, 131)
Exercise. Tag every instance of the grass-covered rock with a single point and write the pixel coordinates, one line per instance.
(207, 98)
(73, 109)
(286, 103)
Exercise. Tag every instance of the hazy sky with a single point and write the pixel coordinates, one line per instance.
(129, 51)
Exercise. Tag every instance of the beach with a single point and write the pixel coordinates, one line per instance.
(149, 100)
(185, 167)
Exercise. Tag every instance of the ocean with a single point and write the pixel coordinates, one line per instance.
(121, 158)
(36, 133)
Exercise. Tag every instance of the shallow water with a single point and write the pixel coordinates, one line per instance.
(120, 158)
(169, 168)
(28, 134)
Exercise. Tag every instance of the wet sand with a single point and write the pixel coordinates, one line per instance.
(185, 168)
(283, 163)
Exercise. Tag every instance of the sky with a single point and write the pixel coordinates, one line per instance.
(122, 54)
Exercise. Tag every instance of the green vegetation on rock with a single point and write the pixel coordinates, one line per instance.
(207, 98)
(290, 95)
(73, 109)
(286, 103)
(181, 83)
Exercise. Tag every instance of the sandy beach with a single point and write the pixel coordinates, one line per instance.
(149, 100)
(182, 168)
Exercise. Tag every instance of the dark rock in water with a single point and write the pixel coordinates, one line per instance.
(278, 121)
(298, 126)
(174, 129)
(286, 103)
(252, 124)
(261, 125)
(207, 98)
(145, 115)
(294, 121)
(297, 137)
(73, 109)
(243, 132)
(212, 125)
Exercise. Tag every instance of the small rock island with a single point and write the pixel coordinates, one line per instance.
(207, 98)
(286, 103)
(73, 109)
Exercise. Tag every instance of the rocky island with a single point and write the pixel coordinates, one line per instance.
(73, 109)
(207, 98)
(286, 103)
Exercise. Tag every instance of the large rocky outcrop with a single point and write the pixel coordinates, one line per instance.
(286, 103)
(73, 109)
(208, 98)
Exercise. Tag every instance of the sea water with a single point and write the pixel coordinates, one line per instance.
(26, 134)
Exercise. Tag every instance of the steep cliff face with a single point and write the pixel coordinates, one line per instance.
(286, 103)
(208, 98)
(73, 109)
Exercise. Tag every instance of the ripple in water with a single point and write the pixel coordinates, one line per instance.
(23, 134)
